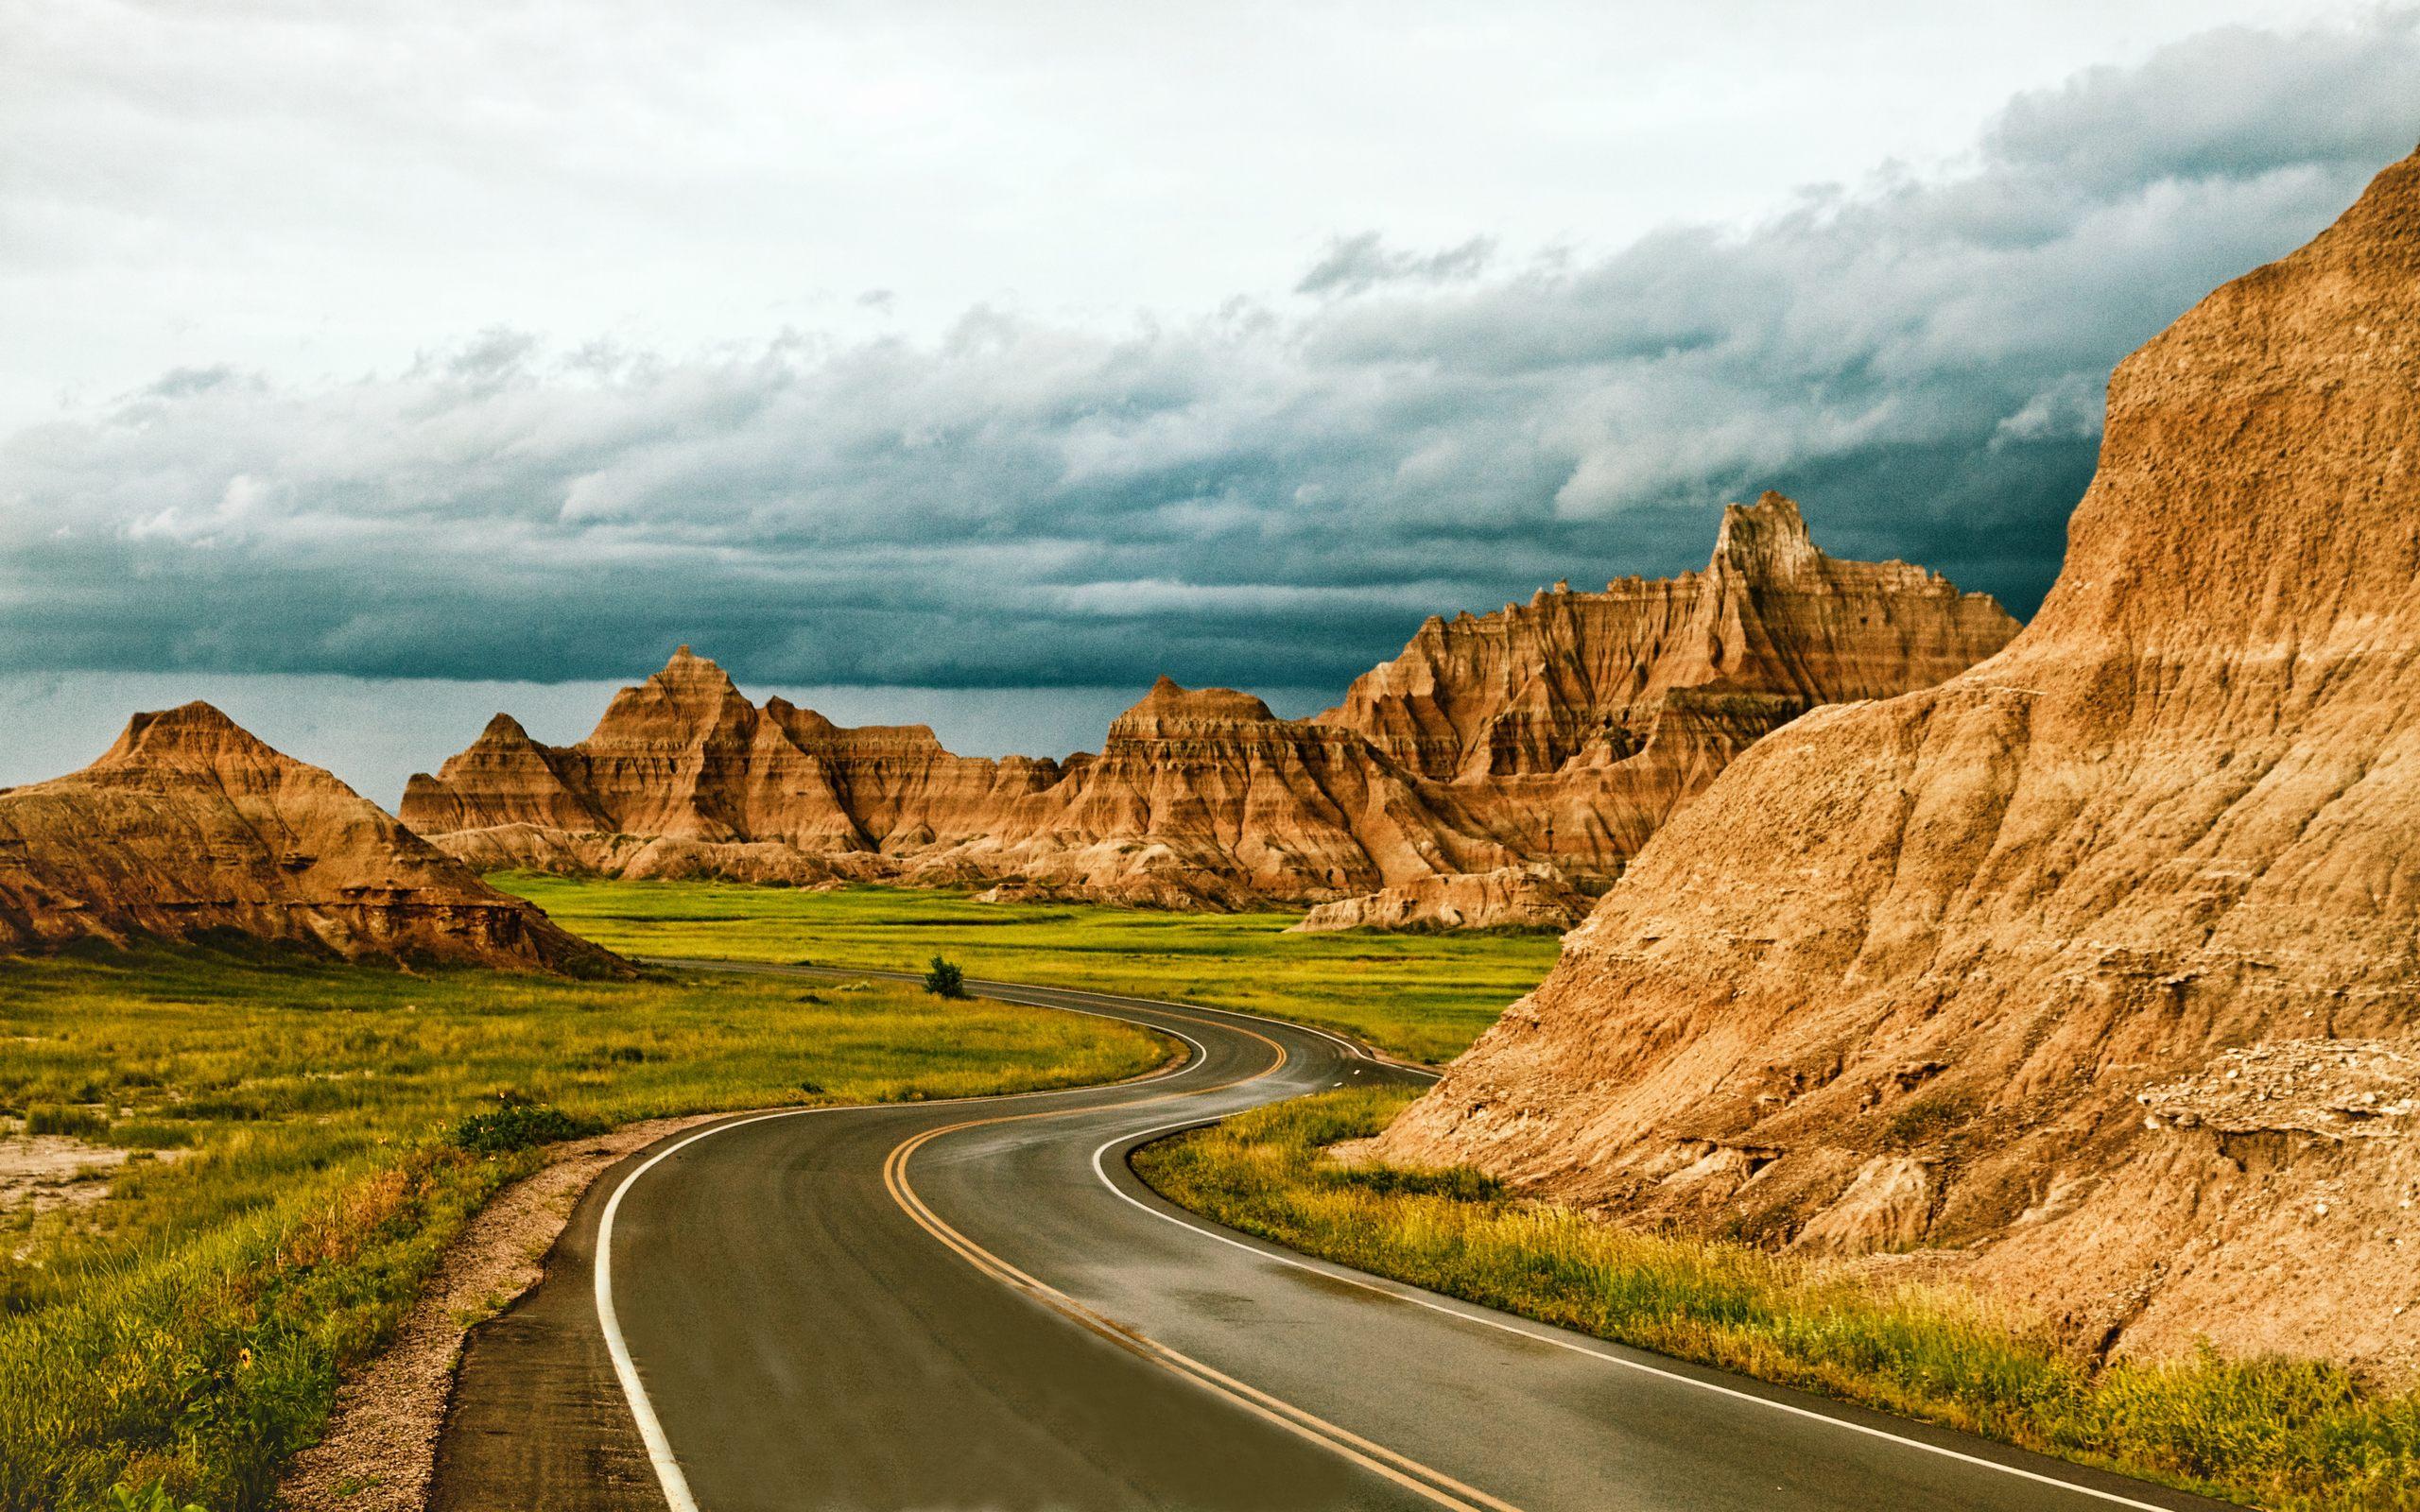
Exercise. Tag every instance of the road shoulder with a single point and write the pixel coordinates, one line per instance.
(379, 1453)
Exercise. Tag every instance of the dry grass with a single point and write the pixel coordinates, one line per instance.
(1423, 996)
(2288, 1433)
(190, 1329)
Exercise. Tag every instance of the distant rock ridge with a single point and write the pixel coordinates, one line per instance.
(1582, 675)
(2095, 970)
(189, 826)
(1560, 733)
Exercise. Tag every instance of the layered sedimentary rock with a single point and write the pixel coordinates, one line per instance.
(1204, 794)
(1772, 619)
(1558, 733)
(1199, 796)
(1577, 724)
(1532, 897)
(2094, 967)
(189, 826)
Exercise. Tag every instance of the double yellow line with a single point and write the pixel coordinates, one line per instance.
(1433, 1485)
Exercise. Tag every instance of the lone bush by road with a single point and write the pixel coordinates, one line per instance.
(519, 1124)
(944, 980)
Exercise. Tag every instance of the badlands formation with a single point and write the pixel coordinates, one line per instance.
(188, 826)
(1558, 734)
(1532, 897)
(2092, 970)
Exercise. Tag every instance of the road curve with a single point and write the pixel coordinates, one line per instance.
(978, 1305)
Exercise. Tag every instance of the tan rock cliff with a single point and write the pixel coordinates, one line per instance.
(1978, 967)
(1575, 725)
(190, 824)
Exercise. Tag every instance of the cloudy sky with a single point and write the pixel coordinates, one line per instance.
(370, 368)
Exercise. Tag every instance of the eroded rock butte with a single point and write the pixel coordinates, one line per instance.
(2091, 969)
(189, 825)
(1558, 734)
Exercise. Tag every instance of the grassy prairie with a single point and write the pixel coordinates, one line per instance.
(189, 1330)
(2286, 1434)
(1423, 996)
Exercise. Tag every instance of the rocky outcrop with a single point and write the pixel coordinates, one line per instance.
(1574, 726)
(1204, 794)
(1979, 967)
(1199, 797)
(1771, 628)
(1534, 897)
(1560, 735)
(189, 826)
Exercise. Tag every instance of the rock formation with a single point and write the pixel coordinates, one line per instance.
(1532, 897)
(1772, 619)
(2095, 966)
(1558, 733)
(1205, 795)
(189, 826)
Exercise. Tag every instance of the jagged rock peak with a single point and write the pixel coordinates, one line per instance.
(2292, 384)
(189, 732)
(1765, 540)
(692, 698)
(1170, 699)
(687, 670)
(503, 729)
(800, 724)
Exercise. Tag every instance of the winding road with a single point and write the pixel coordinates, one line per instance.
(976, 1305)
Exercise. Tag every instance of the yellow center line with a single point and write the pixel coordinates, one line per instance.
(1430, 1483)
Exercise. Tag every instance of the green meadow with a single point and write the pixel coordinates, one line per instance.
(308, 1139)
(2276, 1433)
(1421, 996)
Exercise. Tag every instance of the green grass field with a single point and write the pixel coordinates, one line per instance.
(1421, 996)
(190, 1329)
(2286, 1434)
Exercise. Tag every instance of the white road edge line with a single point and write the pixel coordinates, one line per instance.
(658, 1447)
(1403, 1292)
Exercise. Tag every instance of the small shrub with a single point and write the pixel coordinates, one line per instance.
(944, 980)
(150, 1134)
(1925, 1119)
(520, 1123)
(80, 1121)
(1461, 1184)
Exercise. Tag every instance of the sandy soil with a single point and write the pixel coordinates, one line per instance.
(46, 1171)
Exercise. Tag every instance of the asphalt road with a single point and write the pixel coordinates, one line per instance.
(976, 1305)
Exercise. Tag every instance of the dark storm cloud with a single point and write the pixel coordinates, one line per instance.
(1265, 495)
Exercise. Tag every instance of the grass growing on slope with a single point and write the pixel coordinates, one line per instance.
(1423, 996)
(2287, 1434)
(323, 1132)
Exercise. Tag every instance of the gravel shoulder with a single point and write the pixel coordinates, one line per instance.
(380, 1448)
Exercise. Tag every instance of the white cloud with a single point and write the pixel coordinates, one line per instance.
(1281, 485)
